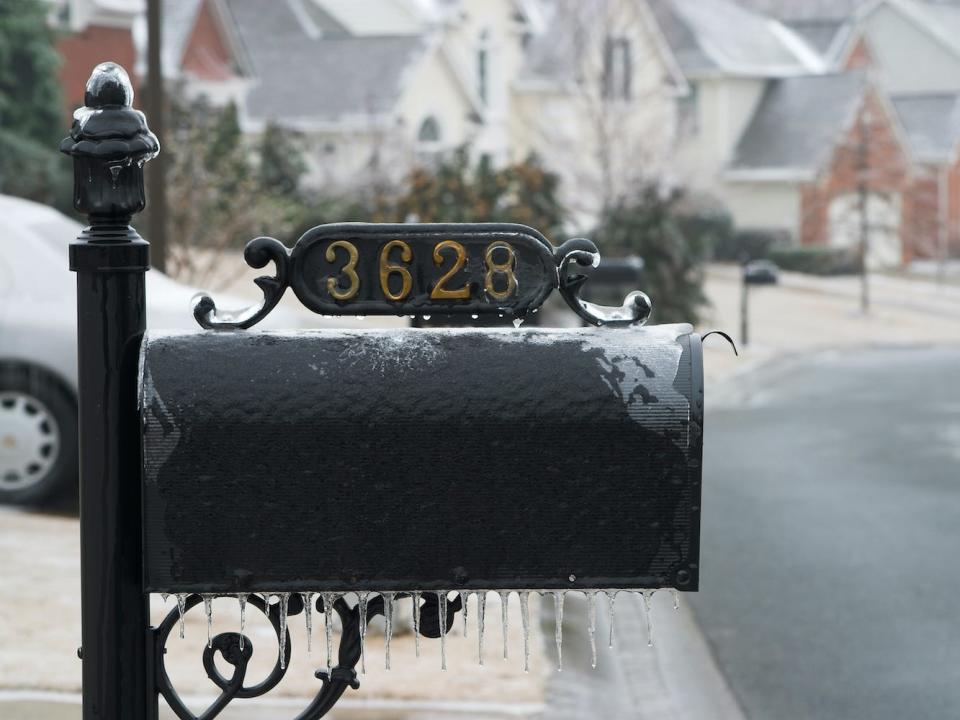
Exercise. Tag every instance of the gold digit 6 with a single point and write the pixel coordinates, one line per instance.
(350, 270)
(505, 268)
(439, 292)
(386, 268)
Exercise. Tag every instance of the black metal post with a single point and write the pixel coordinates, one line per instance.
(109, 143)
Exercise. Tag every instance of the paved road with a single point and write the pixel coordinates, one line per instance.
(831, 538)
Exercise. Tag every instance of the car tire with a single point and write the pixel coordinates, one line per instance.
(38, 437)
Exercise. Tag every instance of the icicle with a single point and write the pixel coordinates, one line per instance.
(284, 604)
(182, 607)
(474, 317)
(426, 317)
(646, 611)
(442, 605)
(465, 598)
(676, 599)
(416, 622)
(525, 618)
(308, 618)
(518, 322)
(611, 598)
(363, 631)
(164, 596)
(328, 625)
(388, 612)
(266, 602)
(592, 624)
(481, 611)
(242, 599)
(208, 609)
(504, 599)
(558, 598)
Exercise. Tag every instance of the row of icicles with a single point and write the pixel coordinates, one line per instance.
(388, 597)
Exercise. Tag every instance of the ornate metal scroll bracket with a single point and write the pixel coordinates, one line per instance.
(237, 649)
(514, 270)
(257, 254)
(636, 306)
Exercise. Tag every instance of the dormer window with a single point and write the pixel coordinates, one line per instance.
(617, 69)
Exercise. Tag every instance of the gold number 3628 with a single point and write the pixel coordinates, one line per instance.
(499, 282)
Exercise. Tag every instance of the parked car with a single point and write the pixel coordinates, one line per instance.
(38, 348)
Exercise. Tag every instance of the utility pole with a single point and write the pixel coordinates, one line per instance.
(863, 195)
(156, 108)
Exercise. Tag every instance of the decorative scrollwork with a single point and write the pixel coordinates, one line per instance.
(257, 254)
(636, 306)
(533, 268)
(237, 649)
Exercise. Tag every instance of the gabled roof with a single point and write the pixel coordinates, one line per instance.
(554, 57)
(940, 19)
(797, 124)
(719, 37)
(821, 34)
(179, 17)
(299, 73)
(931, 123)
(791, 10)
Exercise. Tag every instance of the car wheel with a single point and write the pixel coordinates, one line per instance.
(38, 437)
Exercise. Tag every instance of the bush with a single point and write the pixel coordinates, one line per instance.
(705, 218)
(817, 260)
(35, 172)
(745, 245)
(649, 225)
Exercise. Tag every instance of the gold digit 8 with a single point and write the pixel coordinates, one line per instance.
(350, 270)
(505, 268)
(387, 268)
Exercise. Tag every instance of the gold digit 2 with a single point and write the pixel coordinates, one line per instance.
(439, 292)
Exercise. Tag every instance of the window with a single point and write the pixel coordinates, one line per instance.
(688, 108)
(483, 67)
(482, 74)
(617, 69)
(429, 131)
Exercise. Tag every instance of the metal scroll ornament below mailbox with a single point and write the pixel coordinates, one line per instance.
(505, 461)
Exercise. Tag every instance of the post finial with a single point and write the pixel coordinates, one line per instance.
(109, 142)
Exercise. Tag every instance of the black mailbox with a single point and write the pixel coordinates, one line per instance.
(304, 466)
(421, 460)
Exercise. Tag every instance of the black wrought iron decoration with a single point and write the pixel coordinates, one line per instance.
(423, 269)
(237, 649)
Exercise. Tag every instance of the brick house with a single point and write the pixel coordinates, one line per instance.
(808, 147)
(93, 31)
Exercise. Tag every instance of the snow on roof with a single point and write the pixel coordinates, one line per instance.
(719, 36)
(301, 73)
(379, 17)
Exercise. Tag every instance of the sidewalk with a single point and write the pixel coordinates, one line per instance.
(805, 314)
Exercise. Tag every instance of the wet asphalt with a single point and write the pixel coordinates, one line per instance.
(831, 536)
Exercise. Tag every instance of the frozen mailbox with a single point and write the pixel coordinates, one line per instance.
(337, 471)
(423, 460)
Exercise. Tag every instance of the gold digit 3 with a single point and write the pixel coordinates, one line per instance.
(350, 270)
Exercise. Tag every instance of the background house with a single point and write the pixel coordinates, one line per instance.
(93, 31)
(747, 101)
